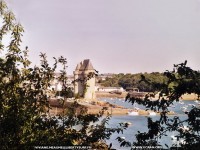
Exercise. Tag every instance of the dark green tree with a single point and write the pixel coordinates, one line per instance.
(181, 80)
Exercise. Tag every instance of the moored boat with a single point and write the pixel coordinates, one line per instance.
(133, 113)
(152, 113)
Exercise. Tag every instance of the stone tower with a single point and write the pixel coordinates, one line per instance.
(83, 69)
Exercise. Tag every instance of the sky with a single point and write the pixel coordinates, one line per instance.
(118, 36)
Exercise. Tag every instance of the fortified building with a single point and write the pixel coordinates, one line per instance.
(83, 86)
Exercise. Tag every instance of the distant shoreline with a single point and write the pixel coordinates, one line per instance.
(123, 95)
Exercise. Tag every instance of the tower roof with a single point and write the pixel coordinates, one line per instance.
(78, 66)
(86, 65)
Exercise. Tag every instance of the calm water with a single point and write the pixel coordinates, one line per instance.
(139, 123)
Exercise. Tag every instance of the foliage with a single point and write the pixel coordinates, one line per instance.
(133, 80)
(25, 120)
(181, 80)
(83, 81)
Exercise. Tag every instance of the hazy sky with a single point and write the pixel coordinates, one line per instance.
(126, 36)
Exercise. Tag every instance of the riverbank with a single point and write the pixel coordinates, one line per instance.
(191, 96)
(110, 95)
(94, 107)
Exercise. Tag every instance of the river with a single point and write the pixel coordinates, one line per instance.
(139, 123)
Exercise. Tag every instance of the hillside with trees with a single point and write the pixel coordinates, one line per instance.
(134, 80)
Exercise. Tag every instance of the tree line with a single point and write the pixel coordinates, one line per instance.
(134, 80)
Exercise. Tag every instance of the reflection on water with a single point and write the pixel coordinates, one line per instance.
(139, 123)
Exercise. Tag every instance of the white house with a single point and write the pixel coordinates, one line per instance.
(110, 89)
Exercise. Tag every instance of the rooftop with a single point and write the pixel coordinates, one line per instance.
(85, 65)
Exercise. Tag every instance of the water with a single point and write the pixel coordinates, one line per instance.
(139, 123)
(177, 107)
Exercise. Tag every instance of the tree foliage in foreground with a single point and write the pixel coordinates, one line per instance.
(24, 107)
(25, 121)
(182, 80)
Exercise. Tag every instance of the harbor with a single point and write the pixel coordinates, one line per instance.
(117, 106)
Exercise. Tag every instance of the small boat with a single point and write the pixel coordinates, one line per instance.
(184, 109)
(184, 128)
(133, 113)
(137, 108)
(173, 138)
(128, 123)
(181, 102)
(152, 113)
(182, 141)
(193, 105)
